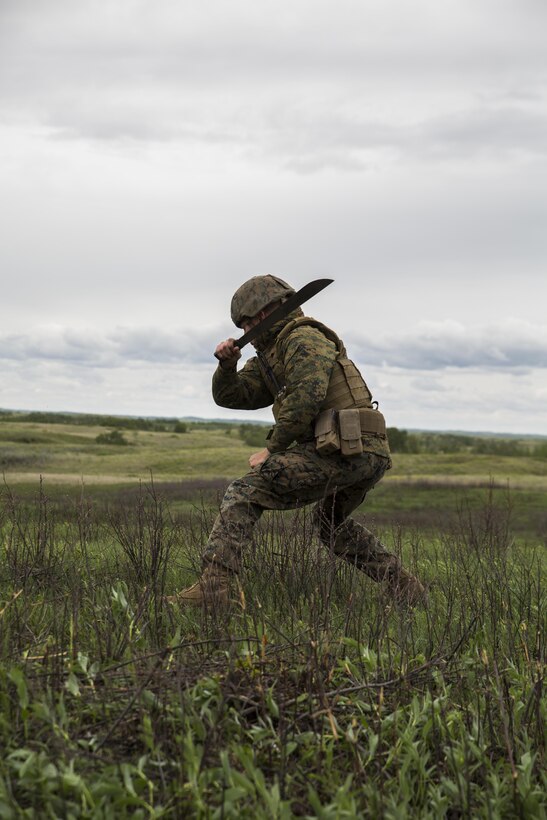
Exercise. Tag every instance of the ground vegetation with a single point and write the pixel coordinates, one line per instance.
(314, 695)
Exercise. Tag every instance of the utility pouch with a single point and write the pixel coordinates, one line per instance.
(373, 422)
(327, 438)
(349, 422)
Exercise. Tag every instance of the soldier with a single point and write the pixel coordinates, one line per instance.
(300, 367)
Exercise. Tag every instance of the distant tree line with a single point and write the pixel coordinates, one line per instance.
(163, 425)
(401, 441)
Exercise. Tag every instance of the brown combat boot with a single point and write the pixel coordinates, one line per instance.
(407, 590)
(212, 589)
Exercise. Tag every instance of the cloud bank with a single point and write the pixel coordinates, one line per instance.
(304, 85)
(430, 346)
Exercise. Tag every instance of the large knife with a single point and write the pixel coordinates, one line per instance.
(286, 307)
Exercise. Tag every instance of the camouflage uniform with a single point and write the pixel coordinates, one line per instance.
(294, 376)
(292, 479)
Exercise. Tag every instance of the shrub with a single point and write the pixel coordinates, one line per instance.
(113, 437)
(253, 434)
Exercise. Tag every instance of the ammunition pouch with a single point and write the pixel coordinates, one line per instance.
(343, 430)
(373, 422)
(349, 423)
(327, 435)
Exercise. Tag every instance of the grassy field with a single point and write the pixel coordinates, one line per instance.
(194, 467)
(70, 453)
(314, 695)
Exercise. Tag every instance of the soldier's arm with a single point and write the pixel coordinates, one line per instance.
(241, 390)
(308, 358)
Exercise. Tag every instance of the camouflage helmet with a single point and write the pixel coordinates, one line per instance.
(256, 294)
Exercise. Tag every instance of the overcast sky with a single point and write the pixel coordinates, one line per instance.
(154, 154)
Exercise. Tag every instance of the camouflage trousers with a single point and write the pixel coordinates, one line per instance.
(295, 478)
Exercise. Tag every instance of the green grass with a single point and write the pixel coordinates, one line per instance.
(517, 469)
(313, 695)
(69, 453)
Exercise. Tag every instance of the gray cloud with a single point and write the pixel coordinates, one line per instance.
(438, 345)
(308, 96)
(431, 346)
(313, 140)
(493, 130)
(91, 348)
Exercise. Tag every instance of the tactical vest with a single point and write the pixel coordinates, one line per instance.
(346, 389)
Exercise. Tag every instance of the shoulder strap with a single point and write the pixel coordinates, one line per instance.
(303, 321)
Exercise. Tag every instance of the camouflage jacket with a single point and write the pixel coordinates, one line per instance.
(296, 386)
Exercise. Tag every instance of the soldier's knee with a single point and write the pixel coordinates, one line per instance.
(237, 490)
